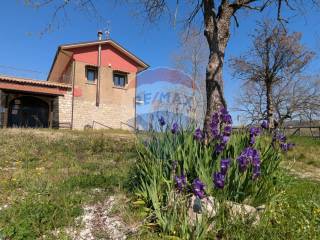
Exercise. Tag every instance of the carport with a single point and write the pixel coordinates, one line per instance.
(27, 103)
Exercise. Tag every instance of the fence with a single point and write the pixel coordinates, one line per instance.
(310, 131)
(306, 131)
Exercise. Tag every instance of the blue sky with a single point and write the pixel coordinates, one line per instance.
(22, 47)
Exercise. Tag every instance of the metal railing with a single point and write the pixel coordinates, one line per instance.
(128, 125)
(101, 124)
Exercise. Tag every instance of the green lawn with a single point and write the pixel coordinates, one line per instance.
(306, 151)
(48, 176)
(304, 158)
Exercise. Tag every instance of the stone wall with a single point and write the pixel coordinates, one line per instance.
(62, 110)
(2, 108)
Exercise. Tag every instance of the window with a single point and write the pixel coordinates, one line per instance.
(91, 74)
(120, 79)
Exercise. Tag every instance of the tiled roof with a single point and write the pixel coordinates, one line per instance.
(26, 81)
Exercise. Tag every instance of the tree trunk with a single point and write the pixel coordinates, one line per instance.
(217, 32)
(269, 106)
(214, 88)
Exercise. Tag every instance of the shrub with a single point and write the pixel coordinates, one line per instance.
(176, 164)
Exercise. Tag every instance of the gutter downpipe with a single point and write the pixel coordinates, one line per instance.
(72, 101)
(135, 102)
(99, 70)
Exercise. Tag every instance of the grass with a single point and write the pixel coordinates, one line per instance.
(304, 158)
(48, 176)
(293, 214)
(306, 151)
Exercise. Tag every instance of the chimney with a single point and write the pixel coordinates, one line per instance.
(100, 35)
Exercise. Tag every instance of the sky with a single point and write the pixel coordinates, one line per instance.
(24, 48)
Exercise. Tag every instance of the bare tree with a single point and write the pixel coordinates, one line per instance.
(271, 70)
(311, 110)
(292, 99)
(216, 17)
(297, 98)
(191, 58)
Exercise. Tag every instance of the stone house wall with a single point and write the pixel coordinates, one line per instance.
(62, 110)
(117, 105)
(2, 108)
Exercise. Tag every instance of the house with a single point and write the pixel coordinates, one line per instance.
(90, 85)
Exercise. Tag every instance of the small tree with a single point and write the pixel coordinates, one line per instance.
(273, 67)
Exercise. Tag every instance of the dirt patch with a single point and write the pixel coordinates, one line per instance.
(308, 173)
(98, 222)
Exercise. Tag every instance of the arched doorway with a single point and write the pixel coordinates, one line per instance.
(28, 112)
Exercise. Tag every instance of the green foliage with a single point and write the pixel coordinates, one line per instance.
(154, 184)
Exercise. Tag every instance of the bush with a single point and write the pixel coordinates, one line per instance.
(176, 164)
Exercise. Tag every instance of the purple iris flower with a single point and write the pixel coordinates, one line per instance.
(286, 146)
(198, 134)
(264, 124)
(290, 146)
(181, 182)
(253, 133)
(225, 116)
(225, 139)
(224, 165)
(215, 118)
(227, 119)
(282, 138)
(256, 172)
(227, 130)
(243, 162)
(198, 188)
(214, 125)
(218, 180)
(248, 156)
(175, 128)
(252, 140)
(224, 111)
(162, 122)
(219, 148)
(255, 158)
(214, 132)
